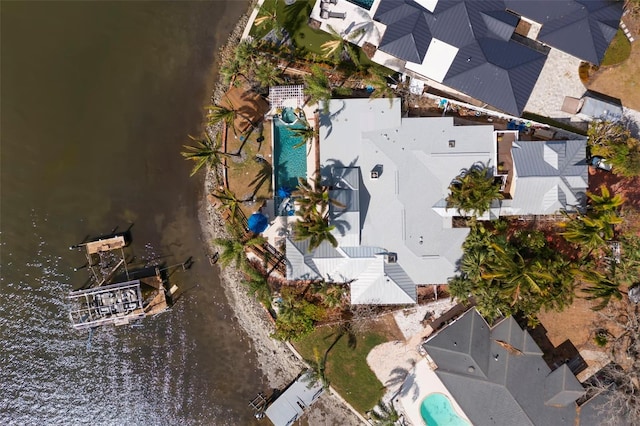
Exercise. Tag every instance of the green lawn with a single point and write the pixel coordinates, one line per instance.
(294, 19)
(618, 51)
(346, 369)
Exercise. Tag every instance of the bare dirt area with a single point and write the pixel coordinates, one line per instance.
(623, 80)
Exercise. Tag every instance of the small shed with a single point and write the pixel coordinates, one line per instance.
(594, 105)
(300, 395)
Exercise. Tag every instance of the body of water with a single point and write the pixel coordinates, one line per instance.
(97, 99)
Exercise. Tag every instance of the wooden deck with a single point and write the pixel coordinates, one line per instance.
(108, 244)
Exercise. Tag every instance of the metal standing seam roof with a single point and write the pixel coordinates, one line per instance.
(549, 176)
(492, 64)
(489, 65)
(294, 400)
(498, 377)
(582, 28)
(392, 217)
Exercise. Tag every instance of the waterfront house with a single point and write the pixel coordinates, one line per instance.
(495, 375)
(391, 176)
(491, 50)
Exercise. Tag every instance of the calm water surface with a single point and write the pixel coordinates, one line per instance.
(97, 98)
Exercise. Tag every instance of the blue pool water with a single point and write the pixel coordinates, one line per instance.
(365, 4)
(289, 163)
(437, 410)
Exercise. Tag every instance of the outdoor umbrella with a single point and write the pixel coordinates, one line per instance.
(257, 223)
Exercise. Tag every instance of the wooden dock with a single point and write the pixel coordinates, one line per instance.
(105, 245)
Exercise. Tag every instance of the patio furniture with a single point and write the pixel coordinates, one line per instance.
(329, 14)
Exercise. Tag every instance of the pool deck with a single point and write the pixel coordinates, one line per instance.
(422, 382)
(280, 226)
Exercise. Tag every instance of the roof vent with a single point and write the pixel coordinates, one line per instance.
(452, 143)
(391, 257)
(376, 172)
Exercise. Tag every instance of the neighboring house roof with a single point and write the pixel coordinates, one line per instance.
(548, 177)
(396, 213)
(485, 59)
(489, 64)
(498, 377)
(291, 404)
(582, 28)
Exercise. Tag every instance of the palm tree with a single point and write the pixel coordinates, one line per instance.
(221, 114)
(258, 285)
(267, 74)
(473, 190)
(339, 47)
(318, 368)
(314, 198)
(229, 201)
(204, 152)
(306, 133)
(601, 287)
(384, 414)
(268, 17)
(316, 229)
(232, 252)
(605, 202)
(517, 275)
(318, 87)
(378, 81)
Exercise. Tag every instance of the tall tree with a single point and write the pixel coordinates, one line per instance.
(473, 190)
(600, 287)
(306, 133)
(378, 81)
(221, 114)
(339, 48)
(318, 87)
(230, 202)
(204, 152)
(384, 414)
(267, 74)
(258, 286)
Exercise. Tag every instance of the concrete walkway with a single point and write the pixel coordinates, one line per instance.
(559, 78)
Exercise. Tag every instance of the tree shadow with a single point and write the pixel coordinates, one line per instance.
(264, 175)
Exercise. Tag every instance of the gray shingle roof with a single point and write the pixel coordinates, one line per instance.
(498, 377)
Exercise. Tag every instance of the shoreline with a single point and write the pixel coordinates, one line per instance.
(276, 360)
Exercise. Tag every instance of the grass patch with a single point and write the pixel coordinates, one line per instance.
(308, 42)
(346, 368)
(618, 51)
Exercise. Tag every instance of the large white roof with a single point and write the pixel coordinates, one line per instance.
(416, 163)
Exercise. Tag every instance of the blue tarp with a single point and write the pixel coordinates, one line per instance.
(284, 192)
(257, 223)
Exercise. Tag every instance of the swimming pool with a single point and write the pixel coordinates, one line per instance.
(289, 163)
(436, 410)
(365, 4)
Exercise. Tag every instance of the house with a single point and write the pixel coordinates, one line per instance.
(290, 406)
(391, 175)
(497, 376)
(490, 50)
